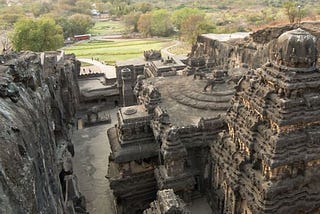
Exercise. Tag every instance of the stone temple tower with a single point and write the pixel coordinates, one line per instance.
(269, 160)
(127, 89)
(173, 173)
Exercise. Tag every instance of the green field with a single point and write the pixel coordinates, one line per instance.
(116, 50)
(108, 28)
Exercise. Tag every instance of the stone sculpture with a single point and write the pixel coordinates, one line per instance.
(152, 55)
(218, 78)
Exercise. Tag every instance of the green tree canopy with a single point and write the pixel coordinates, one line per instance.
(39, 8)
(160, 23)
(180, 15)
(41, 34)
(80, 24)
(119, 8)
(144, 24)
(131, 21)
(143, 7)
(291, 10)
(155, 23)
(76, 24)
(191, 22)
(82, 6)
(194, 25)
(101, 7)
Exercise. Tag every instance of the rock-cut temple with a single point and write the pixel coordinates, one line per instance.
(250, 146)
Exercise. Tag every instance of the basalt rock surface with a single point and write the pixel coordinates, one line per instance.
(269, 158)
(38, 99)
(252, 51)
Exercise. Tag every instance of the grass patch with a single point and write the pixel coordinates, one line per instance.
(118, 50)
(85, 64)
(102, 28)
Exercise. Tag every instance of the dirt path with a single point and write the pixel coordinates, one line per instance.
(165, 51)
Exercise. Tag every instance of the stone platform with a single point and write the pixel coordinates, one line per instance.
(186, 102)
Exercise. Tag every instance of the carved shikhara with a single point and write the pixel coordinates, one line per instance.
(269, 158)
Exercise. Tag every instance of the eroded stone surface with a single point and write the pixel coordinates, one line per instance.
(39, 95)
(253, 50)
(167, 202)
(268, 159)
(261, 157)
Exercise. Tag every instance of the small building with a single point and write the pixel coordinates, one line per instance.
(97, 95)
(94, 90)
(82, 37)
(163, 67)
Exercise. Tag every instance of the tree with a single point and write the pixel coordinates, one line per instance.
(41, 34)
(191, 22)
(193, 26)
(66, 26)
(144, 24)
(80, 24)
(291, 10)
(75, 24)
(39, 8)
(120, 8)
(179, 16)
(143, 7)
(160, 23)
(155, 23)
(101, 7)
(131, 21)
(83, 6)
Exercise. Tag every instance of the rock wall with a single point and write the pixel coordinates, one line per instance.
(38, 98)
(253, 51)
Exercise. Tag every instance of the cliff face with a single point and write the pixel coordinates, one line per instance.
(38, 99)
(253, 50)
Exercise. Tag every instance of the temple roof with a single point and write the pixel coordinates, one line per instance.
(185, 101)
(296, 48)
(133, 151)
(95, 87)
(132, 114)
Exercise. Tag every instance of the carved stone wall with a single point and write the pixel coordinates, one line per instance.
(260, 158)
(268, 159)
(167, 202)
(252, 51)
(38, 99)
